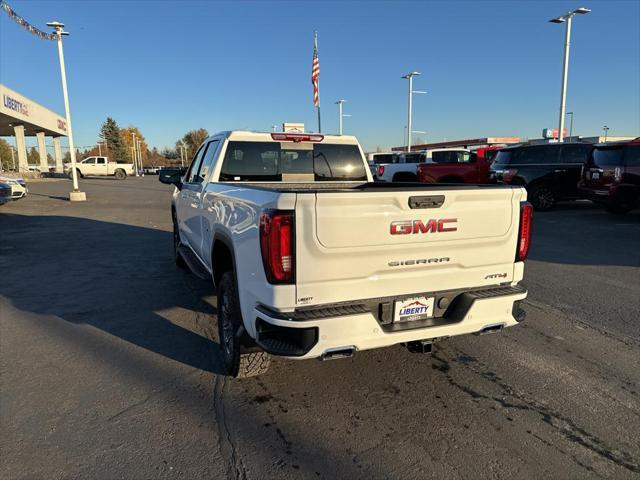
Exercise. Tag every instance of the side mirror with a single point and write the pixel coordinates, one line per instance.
(171, 176)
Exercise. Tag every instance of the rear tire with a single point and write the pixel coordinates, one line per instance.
(120, 174)
(70, 175)
(542, 198)
(180, 263)
(236, 364)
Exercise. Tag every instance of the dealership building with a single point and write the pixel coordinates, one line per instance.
(22, 117)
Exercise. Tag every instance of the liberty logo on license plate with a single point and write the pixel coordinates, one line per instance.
(411, 309)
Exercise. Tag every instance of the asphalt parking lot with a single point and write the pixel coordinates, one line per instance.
(109, 366)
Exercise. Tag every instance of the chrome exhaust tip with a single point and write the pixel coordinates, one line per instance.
(495, 328)
(336, 353)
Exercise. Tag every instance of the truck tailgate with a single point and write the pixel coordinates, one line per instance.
(356, 245)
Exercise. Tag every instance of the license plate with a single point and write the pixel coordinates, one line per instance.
(595, 175)
(412, 309)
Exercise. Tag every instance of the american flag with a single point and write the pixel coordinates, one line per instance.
(315, 73)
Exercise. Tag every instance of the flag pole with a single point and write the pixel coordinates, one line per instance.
(315, 44)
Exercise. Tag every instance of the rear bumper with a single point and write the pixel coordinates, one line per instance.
(361, 328)
(612, 194)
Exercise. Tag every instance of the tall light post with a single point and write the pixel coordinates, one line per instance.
(134, 153)
(186, 152)
(139, 145)
(566, 18)
(340, 114)
(409, 76)
(571, 126)
(76, 195)
(606, 132)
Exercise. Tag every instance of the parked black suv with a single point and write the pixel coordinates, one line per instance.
(549, 172)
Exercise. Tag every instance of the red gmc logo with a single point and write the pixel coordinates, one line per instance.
(406, 227)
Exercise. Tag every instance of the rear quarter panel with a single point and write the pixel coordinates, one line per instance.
(231, 213)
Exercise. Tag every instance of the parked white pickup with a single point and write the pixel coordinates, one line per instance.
(312, 259)
(101, 166)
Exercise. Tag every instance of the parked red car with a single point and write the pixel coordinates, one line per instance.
(458, 166)
(611, 176)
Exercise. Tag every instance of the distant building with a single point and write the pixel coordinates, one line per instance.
(579, 139)
(471, 143)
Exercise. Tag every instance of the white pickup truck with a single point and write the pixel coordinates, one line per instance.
(312, 259)
(100, 166)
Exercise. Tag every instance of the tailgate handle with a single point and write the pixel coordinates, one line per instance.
(430, 201)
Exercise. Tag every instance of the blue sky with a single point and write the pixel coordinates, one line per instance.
(490, 68)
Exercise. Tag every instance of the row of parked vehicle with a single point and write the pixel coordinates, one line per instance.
(12, 189)
(606, 173)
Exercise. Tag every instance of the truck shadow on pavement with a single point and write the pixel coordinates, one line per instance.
(118, 278)
(121, 279)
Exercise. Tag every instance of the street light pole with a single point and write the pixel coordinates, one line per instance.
(571, 126)
(409, 76)
(565, 66)
(139, 145)
(76, 195)
(606, 131)
(340, 115)
(135, 153)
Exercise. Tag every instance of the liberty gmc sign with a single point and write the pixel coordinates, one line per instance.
(15, 105)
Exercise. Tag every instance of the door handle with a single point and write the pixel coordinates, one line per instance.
(559, 170)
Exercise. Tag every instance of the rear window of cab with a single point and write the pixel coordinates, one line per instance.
(269, 161)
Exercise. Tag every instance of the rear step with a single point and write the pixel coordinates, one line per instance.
(193, 262)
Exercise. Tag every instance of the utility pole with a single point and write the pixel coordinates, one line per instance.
(99, 149)
(565, 65)
(76, 195)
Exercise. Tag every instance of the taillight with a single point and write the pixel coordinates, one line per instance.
(380, 170)
(277, 245)
(508, 174)
(524, 232)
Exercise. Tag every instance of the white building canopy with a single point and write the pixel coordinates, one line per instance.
(16, 109)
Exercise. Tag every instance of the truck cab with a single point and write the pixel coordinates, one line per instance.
(457, 165)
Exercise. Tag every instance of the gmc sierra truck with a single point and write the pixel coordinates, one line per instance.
(312, 259)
